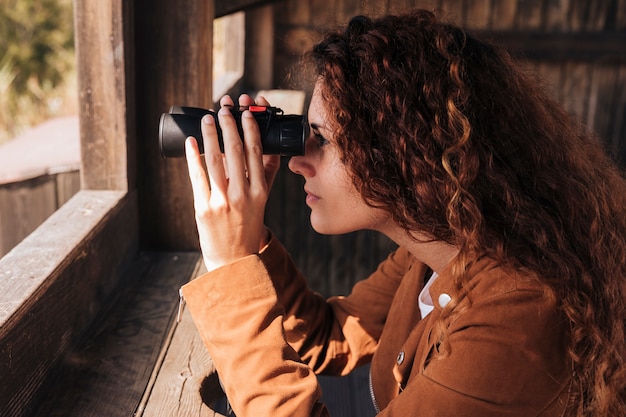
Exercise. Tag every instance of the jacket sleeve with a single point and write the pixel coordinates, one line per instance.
(237, 313)
(337, 335)
(254, 316)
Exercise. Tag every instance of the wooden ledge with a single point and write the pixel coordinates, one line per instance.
(53, 284)
(28, 268)
(112, 370)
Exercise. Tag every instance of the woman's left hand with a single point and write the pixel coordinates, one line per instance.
(231, 194)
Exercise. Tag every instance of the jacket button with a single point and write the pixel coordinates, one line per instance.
(400, 358)
(444, 299)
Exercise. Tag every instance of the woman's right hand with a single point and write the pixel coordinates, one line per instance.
(231, 194)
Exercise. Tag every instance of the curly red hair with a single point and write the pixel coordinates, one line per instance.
(460, 143)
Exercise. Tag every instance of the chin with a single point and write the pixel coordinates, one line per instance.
(325, 228)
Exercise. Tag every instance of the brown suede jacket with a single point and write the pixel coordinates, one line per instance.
(268, 335)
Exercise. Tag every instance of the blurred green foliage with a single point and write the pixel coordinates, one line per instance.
(36, 61)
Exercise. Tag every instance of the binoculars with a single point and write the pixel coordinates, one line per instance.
(280, 134)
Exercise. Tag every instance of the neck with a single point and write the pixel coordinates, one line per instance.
(436, 254)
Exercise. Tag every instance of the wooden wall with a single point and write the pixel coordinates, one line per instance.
(578, 47)
(25, 204)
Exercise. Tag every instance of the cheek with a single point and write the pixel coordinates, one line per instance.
(338, 174)
(350, 198)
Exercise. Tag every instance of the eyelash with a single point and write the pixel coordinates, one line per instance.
(321, 140)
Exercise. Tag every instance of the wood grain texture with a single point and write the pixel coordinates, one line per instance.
(224, 7)
(177, 389)
(53, 284)
(108, 372)
(105, 108)
(25, 204)
(173, 65)
(184, 382)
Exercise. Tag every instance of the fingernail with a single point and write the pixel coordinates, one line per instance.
(248, 114)
(224, 111)
(207, 119)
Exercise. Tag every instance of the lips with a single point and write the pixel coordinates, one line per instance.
(310, 197)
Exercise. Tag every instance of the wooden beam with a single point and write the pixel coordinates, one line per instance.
(173, 64)
(104, 60)
(224, 7)
(259, 49)
(563, 46)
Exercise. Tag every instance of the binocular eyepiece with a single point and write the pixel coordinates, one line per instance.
(280, 134)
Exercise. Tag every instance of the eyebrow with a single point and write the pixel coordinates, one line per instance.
(316, 126)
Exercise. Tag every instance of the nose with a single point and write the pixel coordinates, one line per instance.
(303, 165)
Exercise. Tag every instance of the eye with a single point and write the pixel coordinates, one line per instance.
(321, 140)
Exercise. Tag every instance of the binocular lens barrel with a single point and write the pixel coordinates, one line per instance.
(280, 134)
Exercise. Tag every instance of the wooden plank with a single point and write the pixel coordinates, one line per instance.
(294, 41)
(529, 16)
(54, 282)
(345, 10)
(478, 13)
(25, 204)
(620, 15)
(323, 13)
(104, 86)
(602, 93)
(226, 7)
(598, 15)
(184, 373)
(432, 5)
(583, 15)
(23, 207)
(373, 8)
(400, 6)
(454, 10)
(107, 374)
(561, 47)
(173, 45)
(617, 135)
(184, 382)
(294, 12)
(503, 15)
(575, 87)
(556, 15)
(67, 184)
(259, 49)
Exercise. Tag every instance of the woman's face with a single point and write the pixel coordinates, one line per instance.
(336, 206)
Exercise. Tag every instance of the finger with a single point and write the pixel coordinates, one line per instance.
(253, 149)
(213, 155)
(199, 184)
(246, 100)
(261, 101)
(271, 163)
(233, 146)
(226, 101)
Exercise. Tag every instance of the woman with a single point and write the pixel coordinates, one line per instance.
(506, 295)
